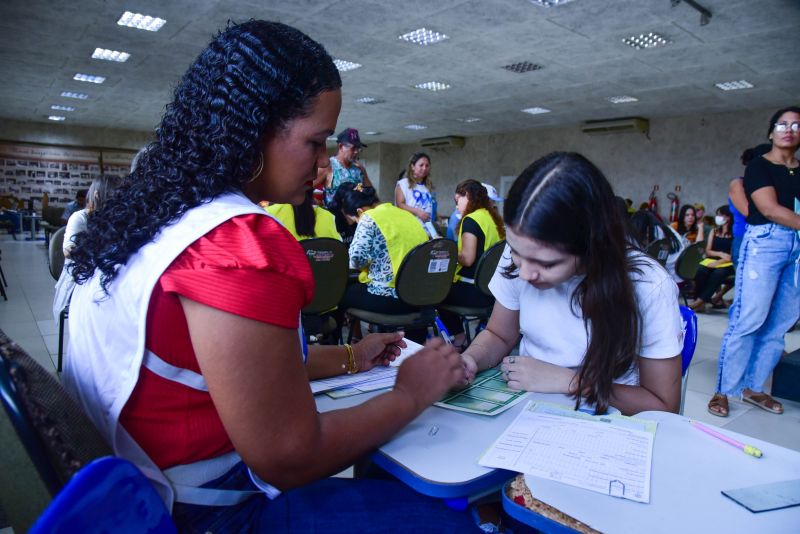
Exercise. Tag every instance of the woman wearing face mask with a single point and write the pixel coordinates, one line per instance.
(570, 271)
(414, 192)
(767, 299)
(717, 266)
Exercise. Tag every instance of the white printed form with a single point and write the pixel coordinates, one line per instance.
(606, 454)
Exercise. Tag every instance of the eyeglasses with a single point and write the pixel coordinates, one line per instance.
(781, 127)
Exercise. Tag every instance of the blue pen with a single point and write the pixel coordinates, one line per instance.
(443, 330)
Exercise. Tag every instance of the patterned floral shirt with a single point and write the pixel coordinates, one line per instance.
(369, 249)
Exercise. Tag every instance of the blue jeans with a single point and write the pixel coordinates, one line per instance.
(765, 306)
(330, 505)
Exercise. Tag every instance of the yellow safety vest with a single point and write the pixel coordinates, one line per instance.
(324, 223)
(402, 232)
(490, 236)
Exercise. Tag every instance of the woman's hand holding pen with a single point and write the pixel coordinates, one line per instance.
(378, 349)
(430, 373)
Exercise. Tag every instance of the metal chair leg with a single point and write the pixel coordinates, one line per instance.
(61, 317)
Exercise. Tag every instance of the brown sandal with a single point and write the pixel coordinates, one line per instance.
(718, 405)
(763, 401)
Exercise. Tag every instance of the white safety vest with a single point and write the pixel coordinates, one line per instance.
(107, 350)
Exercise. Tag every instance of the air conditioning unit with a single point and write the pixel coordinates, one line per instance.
(451, 141)
(613, 126)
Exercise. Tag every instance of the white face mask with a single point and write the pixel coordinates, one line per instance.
(720, 220)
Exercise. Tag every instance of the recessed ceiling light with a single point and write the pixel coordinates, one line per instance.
(549, 3)
(535, 110)
(423, 36)
(141, 22)
(371, 133)
(522, 66)
(88, 78)
(70, 94)
(469, 119)
(414, 127)
(622, 99)
(110, 55)
(62, 108)
(645, 40)
(369, 100)
(56, 118)
(433, 86)
(732, 86)
(344, 65)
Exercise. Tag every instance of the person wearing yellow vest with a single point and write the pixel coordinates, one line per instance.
(306, 220)
(384, 236)
(481, 227)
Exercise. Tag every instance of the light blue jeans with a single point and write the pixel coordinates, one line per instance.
(765, 306)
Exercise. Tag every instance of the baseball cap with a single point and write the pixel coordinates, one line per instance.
(699, 206)
(349, 136)
(492, 192)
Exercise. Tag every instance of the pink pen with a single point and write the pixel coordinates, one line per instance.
(747, 449)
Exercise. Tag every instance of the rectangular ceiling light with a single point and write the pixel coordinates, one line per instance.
(535, 110)
(469, 119)
(344, 65)
(369, 100)
(78, 96)
(522, 66)
(371, 133)
(622, 99)
(141, 22)
(645, 40)
(423, 36)
(62, 108)
(56, 118)
(732, 86)
(110, 55)
(88, 78)
(550, 3)
(414, 127)
(433, 86)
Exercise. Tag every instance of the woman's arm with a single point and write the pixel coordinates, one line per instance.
(400, 202)
(324, 175)
(711, 253)
(260, 389)
(495, 341)
(701, 231)
(469, 249)
(331, 360)
(738, 197)
(659, 388)
(766, 201)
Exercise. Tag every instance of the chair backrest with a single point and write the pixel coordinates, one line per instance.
(487, 265)
(108, 495)
(52, 215)
(329, 263)
(56, 435)
(689, 337)
(659, 251)
(55, 253)
(426, 274)
(689, 260)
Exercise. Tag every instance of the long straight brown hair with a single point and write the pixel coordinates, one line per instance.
(565, 201)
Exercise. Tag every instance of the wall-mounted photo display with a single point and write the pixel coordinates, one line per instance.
(73, 168)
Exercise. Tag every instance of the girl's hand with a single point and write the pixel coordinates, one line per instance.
(529, 374)
(430, 373)
(378, 349)
(423, 215)
(470, 367)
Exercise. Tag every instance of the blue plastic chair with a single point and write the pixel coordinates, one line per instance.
(108, 495)
(689, 344)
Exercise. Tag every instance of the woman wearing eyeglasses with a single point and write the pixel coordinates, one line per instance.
(767, 300)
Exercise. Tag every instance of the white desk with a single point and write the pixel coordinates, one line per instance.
(690, 468)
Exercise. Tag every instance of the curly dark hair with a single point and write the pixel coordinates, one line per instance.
(252, 80)
(565, 201)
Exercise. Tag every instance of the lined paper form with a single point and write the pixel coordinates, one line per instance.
(607, 454)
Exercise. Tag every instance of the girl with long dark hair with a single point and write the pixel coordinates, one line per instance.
(599, 319)
(689, 225)
(717, 266)
(767, 298)
(184, 341)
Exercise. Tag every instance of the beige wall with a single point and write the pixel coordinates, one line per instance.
(78, 136)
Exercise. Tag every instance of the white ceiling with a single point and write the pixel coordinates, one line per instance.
(43, 43)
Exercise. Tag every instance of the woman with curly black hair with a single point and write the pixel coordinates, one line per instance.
(599, 319)
(185, 349)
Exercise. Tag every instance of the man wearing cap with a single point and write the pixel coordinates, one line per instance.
(344, 165)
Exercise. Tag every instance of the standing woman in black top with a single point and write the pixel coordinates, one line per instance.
(767, 301)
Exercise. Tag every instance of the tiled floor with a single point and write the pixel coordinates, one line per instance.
(27, 319)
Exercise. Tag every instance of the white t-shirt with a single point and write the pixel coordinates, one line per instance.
(417, 196)
(553, 332)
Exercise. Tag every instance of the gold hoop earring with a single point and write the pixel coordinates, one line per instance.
(260, 168)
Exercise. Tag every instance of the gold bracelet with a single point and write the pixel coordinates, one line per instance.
(352, 366)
